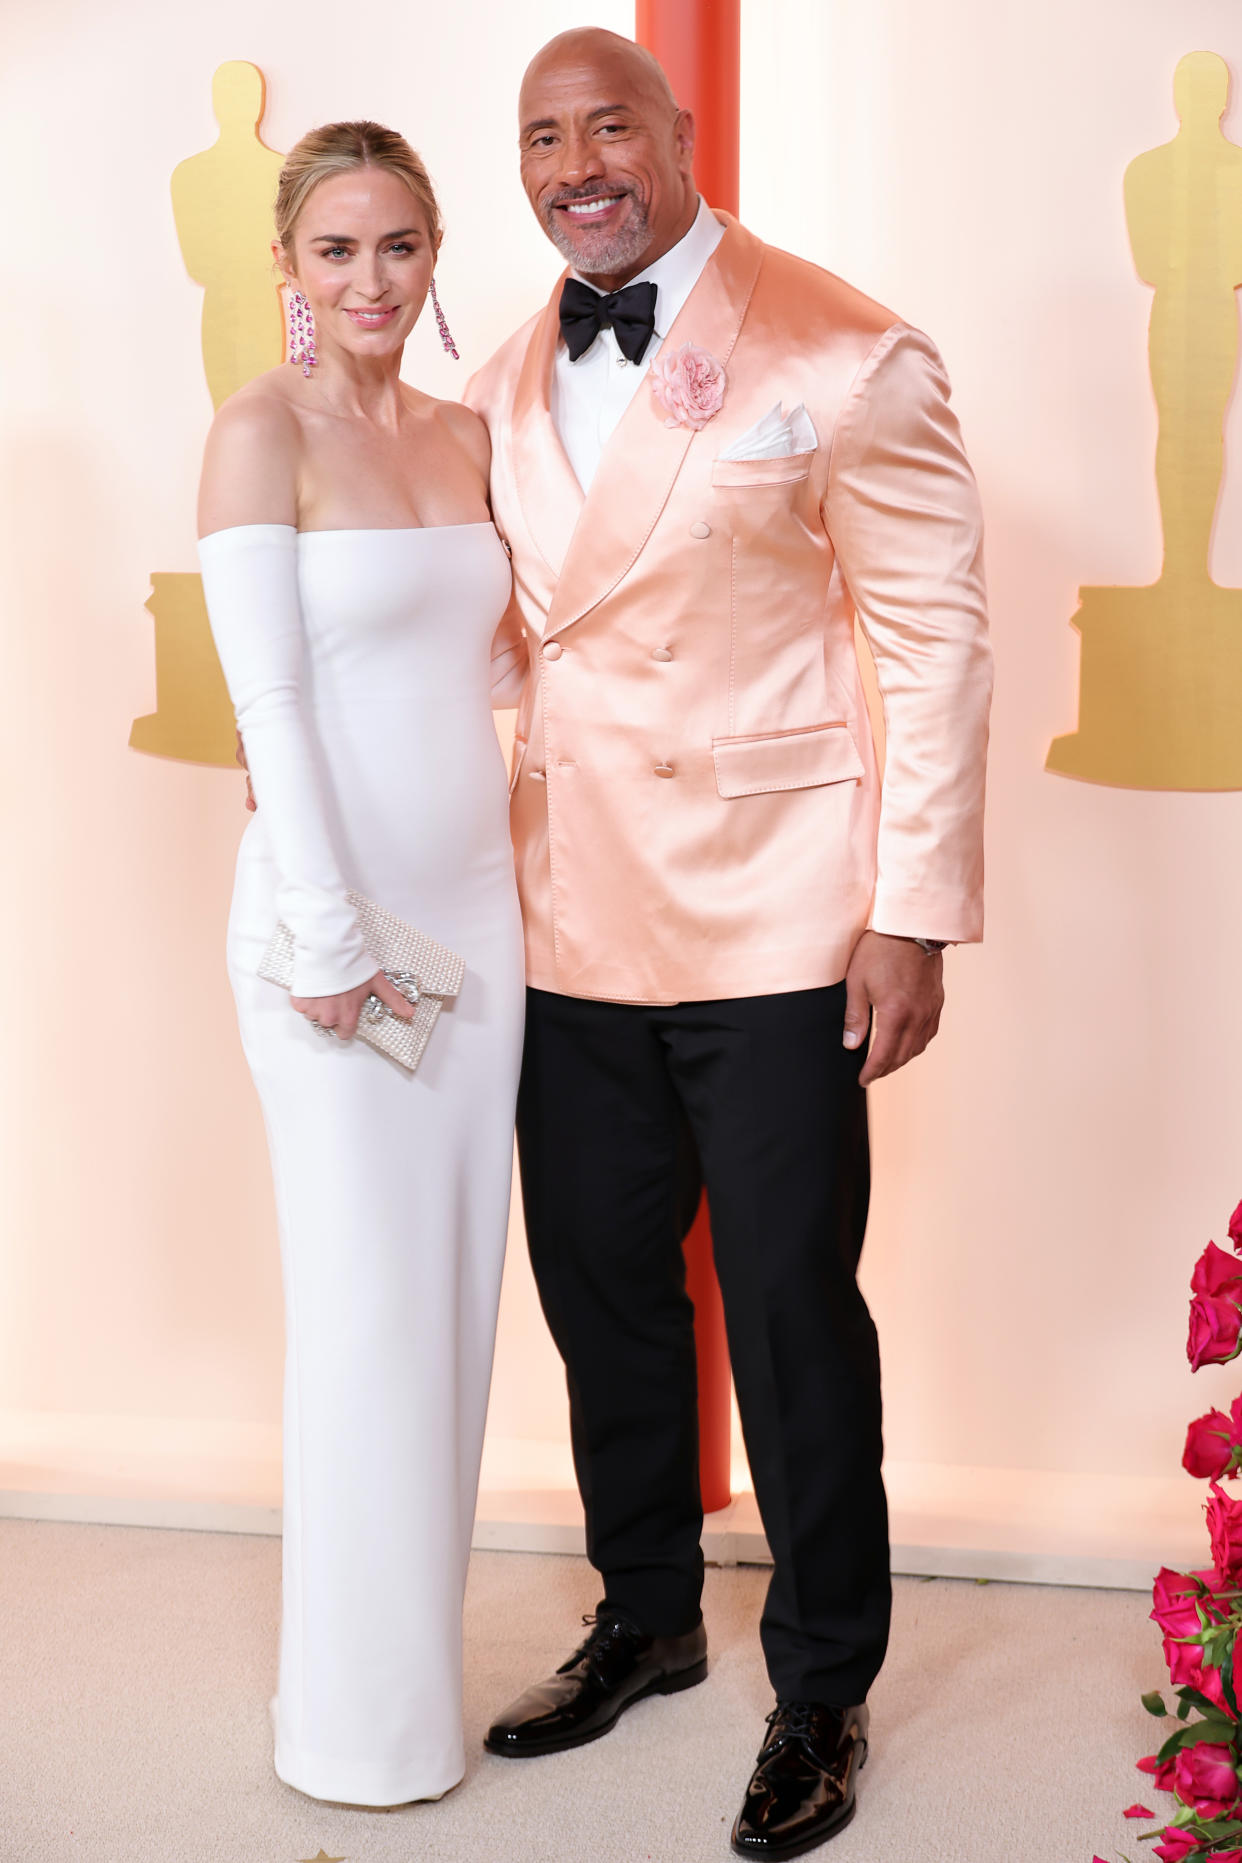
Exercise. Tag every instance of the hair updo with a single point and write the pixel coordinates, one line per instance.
(339, 148)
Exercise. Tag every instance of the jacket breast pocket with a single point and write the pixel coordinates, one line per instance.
(752, 474)
(800, 759)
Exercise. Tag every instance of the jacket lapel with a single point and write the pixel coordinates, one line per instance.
(641, 461)
(547, 484)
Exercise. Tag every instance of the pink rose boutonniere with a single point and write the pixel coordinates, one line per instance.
(689, 384)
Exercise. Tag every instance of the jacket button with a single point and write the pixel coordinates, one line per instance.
(663, 769)
(700, 529)
(660, 653)
(553, 650)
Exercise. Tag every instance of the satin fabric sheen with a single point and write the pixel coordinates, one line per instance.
(696, 808)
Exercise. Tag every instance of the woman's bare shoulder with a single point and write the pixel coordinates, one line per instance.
(265, 410)
(468, 430)
(250, 466)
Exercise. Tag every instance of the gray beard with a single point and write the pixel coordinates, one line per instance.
(620, 253)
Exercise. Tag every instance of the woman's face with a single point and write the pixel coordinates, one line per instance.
(363, 257)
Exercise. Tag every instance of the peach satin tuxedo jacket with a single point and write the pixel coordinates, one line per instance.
(696, 807)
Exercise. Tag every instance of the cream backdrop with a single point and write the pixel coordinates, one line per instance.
(1045, 1176)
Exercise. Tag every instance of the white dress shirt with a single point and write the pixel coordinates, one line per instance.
(590, 396)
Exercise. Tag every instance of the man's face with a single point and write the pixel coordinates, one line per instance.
(606, 161)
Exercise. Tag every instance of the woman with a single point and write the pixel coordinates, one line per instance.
(356, 587)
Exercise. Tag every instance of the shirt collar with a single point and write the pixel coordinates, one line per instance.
(676, 272)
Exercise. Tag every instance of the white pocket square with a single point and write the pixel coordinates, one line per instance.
(776, 436)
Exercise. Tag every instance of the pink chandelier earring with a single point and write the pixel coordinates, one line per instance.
(446, 336)
(301, 333)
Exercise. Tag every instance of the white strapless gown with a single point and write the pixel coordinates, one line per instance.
(359, 664)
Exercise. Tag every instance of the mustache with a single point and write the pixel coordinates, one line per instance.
(565, 196)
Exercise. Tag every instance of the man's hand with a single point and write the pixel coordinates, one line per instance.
(905, 987)
(251, 804)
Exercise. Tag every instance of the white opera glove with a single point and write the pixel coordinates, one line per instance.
(250, 581)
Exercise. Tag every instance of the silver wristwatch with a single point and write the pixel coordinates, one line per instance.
(930, 946)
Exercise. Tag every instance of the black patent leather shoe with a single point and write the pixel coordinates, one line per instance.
(802, 1790)
(615, 1667)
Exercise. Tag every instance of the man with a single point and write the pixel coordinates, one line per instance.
(707, 456)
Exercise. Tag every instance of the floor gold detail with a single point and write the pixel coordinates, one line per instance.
(1161, 684)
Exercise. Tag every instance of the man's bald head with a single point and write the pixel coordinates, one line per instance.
(606, 153)
(594, 47)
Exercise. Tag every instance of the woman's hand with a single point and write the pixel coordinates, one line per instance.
(341, 1013)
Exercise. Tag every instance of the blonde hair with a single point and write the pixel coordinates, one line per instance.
(338, 148)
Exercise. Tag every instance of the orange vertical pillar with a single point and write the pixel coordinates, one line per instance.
(698, 44)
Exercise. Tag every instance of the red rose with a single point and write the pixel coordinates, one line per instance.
(1177, 1844)
(1205, 1777)
(1235, 1227)
(1174, 1595)
(1224, 1518)
(1209, 1446)
(1161, 1772)
(1214, 1325)
(1215, 1272)
(1169, 1586)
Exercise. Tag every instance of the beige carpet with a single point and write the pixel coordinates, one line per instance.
(135, 1668)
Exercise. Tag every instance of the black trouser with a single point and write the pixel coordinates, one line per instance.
(622, 1112)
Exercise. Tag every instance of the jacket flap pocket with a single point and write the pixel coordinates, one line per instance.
(785, 471)
(749, 766)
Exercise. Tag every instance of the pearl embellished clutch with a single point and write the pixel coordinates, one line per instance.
(426, 973)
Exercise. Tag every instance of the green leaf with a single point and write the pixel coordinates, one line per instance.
(1153, 1701)
(1174, 1744)
(1198, 1699)
(1216, 1828)
(1226, 1682)
(1221, 1729)
(1218, 1730)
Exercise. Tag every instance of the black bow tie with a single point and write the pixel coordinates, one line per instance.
(630, 312)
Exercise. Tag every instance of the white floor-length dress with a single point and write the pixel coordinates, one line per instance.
(358, 661)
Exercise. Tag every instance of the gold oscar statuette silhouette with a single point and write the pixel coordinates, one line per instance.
(1160, 705)
(222, 204)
